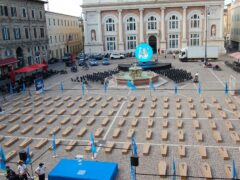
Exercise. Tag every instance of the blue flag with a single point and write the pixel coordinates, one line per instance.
(93, 147)
(199, 89)
(83, 88)
(54, 146)
(174, 170)
(132, 173)
(10, 88)
(234, 170)
(29, 159)
(2, 159)
(131, 85)
(226, 89)
(134, 147)
(175, 89)
(61, 87)
(105, 86)
(151, 85)
(23, 88)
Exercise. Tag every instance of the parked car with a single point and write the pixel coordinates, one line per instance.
(67, 57)
(81, 59)
(99, 57)
(105, 61)
(93, 62)
(117, 56)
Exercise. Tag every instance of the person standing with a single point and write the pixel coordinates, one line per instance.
(10, 174)
(22, 170)
(40, 171)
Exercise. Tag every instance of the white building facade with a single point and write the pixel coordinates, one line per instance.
(119, 26)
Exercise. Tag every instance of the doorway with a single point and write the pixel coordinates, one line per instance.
(152, 41)
(20, 58)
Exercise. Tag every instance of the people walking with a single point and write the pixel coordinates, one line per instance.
(22, 170)
(40, 171)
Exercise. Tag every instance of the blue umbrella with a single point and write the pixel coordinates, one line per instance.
(23, 88)
(234, 170)
(61, 87)
(83, 88)
(29, 159)
(2, 159)
(54, 146)
(93, 147)
(134, 147)
(226, 89)
(174, 170)
(199, 88)
(175, 89)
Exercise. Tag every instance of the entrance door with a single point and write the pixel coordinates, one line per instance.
(20, 58)
(152, 41)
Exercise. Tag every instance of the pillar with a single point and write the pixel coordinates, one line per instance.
(163, 35)
(184, 27)
(120, 31)
(99, 27)
(141, 25)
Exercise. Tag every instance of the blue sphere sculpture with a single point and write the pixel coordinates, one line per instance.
(144, 53)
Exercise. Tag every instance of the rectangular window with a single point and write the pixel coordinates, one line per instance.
(26, 33)
(13, 11)
(3, 11)
(35, 33)
(173, 41)
(111, 43)
(50, 39)
(55, 39)
(42, 32)
(17, 33)
(54, 22)
(5, 33)
(49, 21)
(131, 42)
(24, 14)
(40, 15)
(194, 39)
(33, 14)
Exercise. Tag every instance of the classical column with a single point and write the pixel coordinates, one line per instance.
(163, 39)
(120, 31)
(221, 22)
(99, 27)
(184, 27)
(141, 25)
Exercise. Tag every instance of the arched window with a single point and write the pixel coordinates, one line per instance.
(195, 21)
(213, 30)
(131, 24)
(152, 23)
(173, 22)
(93, 35)
(110, 25)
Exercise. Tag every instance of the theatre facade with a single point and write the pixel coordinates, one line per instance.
(119, 26)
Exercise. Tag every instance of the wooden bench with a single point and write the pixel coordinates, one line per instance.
(152, 113)
(182, 151)
(38, 104)
(57, 98)
(26, 98)
(116, 132)
(2, 126)
(214, 100)
(178, 106)
(13, 128)
(146, 149)
(49, 104)
(105, 121)
(206, 170)
(237, 114)
(62, 111)
(191, 106)
(190, 99)
(55, 130)
(89, 98)
(223, 114)
(235, 136)
(162, 168)
(140, 105)
(91, 121)
(47, 98)
(129, 105)
(133, 98)
(70, 104)
(58, 105)
(205, 106)
(138, 113)
(11, 155)
(65, 120)
(217, 136)
(194, 114)
(165, 105)
(125, 113)
(2, 138)
(179, 113)
(233, 107)
(52, 119)
(223, 153)
(82, 104)
(85, 112)
(121, 122)
(39, 119)
(16, 104)
(135, 122)
(25, 143)
(149, 134)
(82, 131)
(93, 104)
(165, 99)
(180, 135)
(199, 136)
(228, 100)
(50, 111)
(57, 142)
(14, 119)
(77, 98)
(104, 104)
(165, 123)
(202, 100)
(27, 129)
(67, 98)
(98, 133)
(143, 99)
(196, 124)
(38, 111)
(26, 111)
(229, 125)
(109, 147)
(183, 170)
(154, 99)
(119, 99)
(179, 123)
(40, 130)
(164, 135)
(218, 106)
(178, 100)
(11, 141)
(74, 112)
(111, 112)
(130, 133)
(203, 152)
(67, 131)
(126, 147)
(109, 98)
(71, 145)
(3, 117)
(150, 122)
(153, 105)
(116, 105)
(164, 150)
(212, 124)
(98, 98)
(77, 120)
(208, 114)
(165, 113)
(228, 170)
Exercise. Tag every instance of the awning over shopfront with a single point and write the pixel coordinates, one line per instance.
(235, 55)
(31, 68)
(7, 61)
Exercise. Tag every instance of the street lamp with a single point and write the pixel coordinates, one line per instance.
(207, 13)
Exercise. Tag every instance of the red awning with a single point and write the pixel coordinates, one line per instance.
(7, 61)
(235, 55)
(31, 68)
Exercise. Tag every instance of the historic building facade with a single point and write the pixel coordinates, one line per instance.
(166, 25)
(65, 34)
(23, 34)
